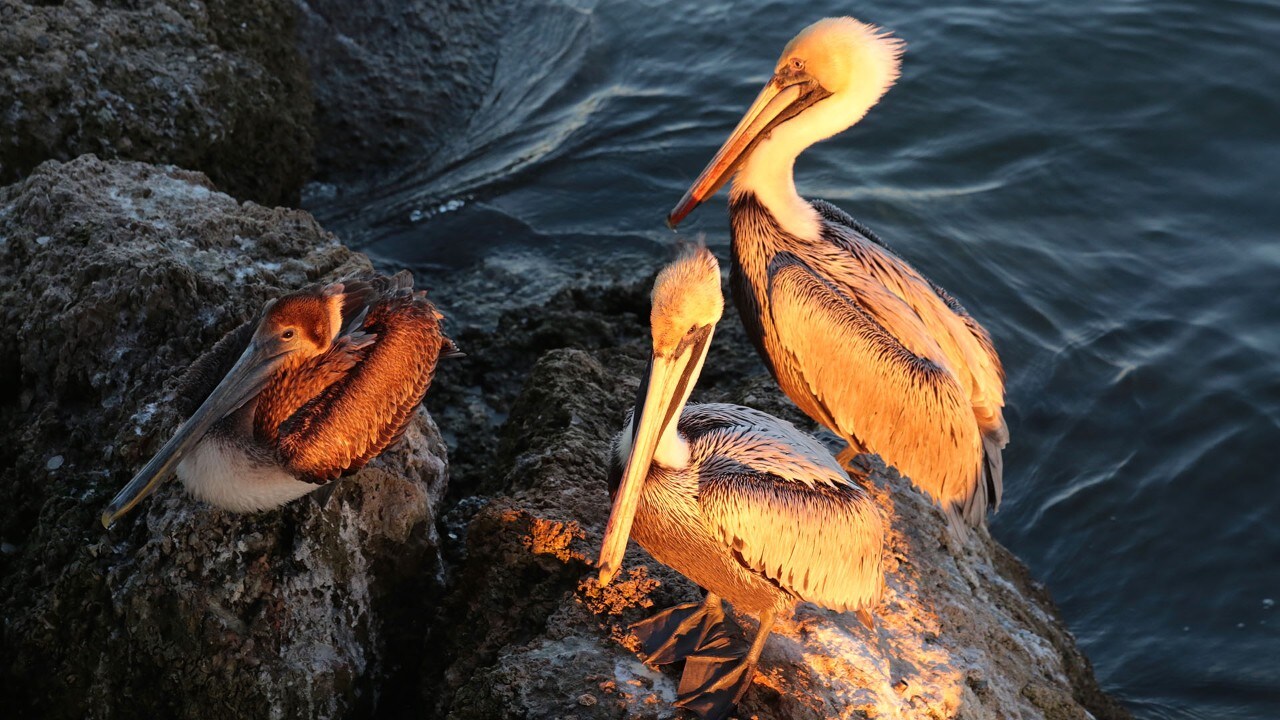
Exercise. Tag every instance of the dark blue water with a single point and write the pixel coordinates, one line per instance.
(1098, 182)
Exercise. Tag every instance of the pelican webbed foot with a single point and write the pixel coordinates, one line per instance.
(323, 495)
(711, 687)
(678, 632)
(715, 680)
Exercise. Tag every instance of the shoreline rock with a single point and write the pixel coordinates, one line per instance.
(378, 100)
(963, 632)
(263, 96)
(217, 86)
(114, 276)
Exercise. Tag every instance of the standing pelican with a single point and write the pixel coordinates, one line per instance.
(740, 502)
(330, 377)
(859, 339)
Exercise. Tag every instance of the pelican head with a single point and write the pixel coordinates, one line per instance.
(686, 300)
(293, 328)
(826, 80)
(687, 304)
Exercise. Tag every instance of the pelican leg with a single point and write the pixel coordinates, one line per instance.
(712, 684)
(676, 633)
(845, 457)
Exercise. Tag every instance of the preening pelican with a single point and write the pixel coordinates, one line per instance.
(859, 339)
(740, 502)
(328, 378)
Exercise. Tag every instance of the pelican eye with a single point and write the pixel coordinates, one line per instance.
(797, 64)
(287, 334)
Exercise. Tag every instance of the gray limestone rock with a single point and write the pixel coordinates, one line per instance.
(214, 85)
(114, 276)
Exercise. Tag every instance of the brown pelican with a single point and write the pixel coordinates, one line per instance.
(858, 338)
(740, 502)
(328, 379)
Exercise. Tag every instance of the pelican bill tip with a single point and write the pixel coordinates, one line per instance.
(679, 213)
(607, 573)
(687, 204)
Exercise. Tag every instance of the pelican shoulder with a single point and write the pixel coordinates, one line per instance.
(733, 438)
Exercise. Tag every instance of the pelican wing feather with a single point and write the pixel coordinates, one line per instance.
(742, 439)
(369, 406)
(784, 507)
(968, 345)
(818, 542)
(934, 439)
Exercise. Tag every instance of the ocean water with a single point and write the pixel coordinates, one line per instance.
(1098, 182)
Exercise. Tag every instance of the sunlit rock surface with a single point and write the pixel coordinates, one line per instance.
(962, 633)
(213, 85)
(114, 276)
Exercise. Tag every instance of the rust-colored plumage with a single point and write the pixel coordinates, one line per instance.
(326, 379)
(368, 405)
(857, 337)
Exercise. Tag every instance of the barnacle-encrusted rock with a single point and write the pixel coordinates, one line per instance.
(114, 276)
(212, 85)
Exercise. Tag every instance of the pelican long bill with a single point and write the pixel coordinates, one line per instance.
(245, 380)
(662, 396)
(783, 97)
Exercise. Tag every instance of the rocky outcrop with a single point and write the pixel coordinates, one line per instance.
(963, 631)
(217, 86)
(114, 276)
(257, 94)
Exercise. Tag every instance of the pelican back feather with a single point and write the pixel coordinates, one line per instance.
(845, 366)
(872, 349)
(784, 508)
(970, 352)
(203, 375)
(369, 406)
